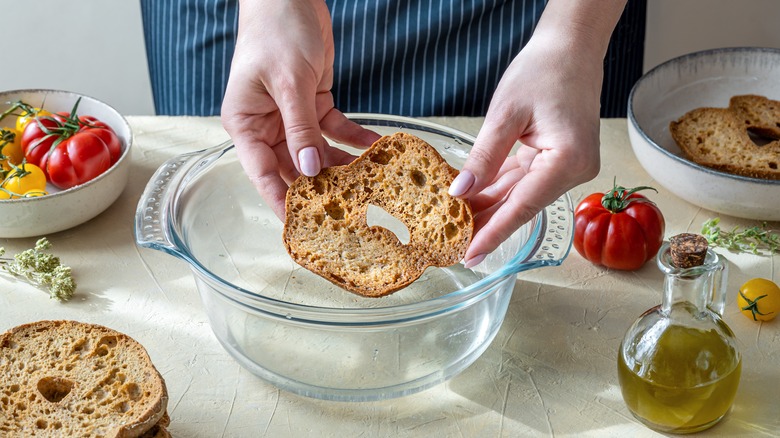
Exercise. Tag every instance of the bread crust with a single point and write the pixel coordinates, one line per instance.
(719, 137)
(326, 230)
(69, 378)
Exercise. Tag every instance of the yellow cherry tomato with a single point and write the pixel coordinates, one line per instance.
(28, 115)
(24, 178)
(759, 299)
(10, 147)
(34, 193)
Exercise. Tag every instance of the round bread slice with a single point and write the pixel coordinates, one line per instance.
(326, 229)
(68, 378)
(760, 114)
(716, 138)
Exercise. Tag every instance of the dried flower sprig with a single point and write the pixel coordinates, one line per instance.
(41, 269)
(756, 240)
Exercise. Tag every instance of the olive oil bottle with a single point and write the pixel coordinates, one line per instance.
(679, 364)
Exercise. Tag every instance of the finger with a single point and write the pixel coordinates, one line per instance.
(296, 101)
(491, 148)
(262, 168)
(343, 130)
(494, 225)
(496, 192)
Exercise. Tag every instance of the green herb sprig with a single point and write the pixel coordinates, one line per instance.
(758, 240)
(41, 269)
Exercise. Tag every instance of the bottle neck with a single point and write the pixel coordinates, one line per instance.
(693, 289)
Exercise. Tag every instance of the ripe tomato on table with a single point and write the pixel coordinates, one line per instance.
(619, 229)
(70, 149)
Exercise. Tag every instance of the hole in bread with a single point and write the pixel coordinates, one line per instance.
(133, 391)
(772, 165)
(41, 424)
(378, 217)
(418, 178)
(54, 389)
(759, 136)
(319, 186)
(108, 341)
(380, 157)
(450, 231)
(334, 210)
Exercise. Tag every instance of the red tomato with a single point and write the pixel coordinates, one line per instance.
(620, 229)
(71, 150)
(37, 140)
(105, 133)
(77, 160)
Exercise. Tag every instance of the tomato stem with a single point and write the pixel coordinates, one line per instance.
(753, 305)
(618, 199)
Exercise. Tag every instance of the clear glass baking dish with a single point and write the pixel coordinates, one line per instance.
(299, 331)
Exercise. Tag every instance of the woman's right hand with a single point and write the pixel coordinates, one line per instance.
(278, 102)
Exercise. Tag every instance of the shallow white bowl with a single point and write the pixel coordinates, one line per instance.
(706, 78)
(60, 210)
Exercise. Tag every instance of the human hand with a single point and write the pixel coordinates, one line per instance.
(278, 103)
(548, 99)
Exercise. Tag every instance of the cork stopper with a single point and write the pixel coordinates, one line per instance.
(688, 250)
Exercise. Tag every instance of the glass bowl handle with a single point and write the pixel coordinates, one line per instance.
(152, 216)
(554, 236)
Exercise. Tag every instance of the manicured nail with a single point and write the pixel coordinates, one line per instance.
(309, 160)
(474, 261)
(462, 183)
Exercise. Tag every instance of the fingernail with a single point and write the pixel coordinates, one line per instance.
(309, 160)
(462, 183)
(474, 261)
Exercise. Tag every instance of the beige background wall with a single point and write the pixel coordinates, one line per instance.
(96, 46)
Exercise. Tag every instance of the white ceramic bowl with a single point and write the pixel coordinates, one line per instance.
(707, 78)
(63, 209)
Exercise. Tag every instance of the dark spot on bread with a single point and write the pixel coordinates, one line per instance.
(418, 178)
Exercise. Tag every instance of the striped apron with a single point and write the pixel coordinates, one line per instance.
(403, 57)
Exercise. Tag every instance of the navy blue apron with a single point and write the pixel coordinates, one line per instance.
(404, 57)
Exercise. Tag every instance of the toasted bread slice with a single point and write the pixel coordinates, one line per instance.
(326, 229)
(67, 378)
(759, 114)
(716, 138)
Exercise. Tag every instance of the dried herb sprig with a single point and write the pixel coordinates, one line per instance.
(756, 240)
(41, 269)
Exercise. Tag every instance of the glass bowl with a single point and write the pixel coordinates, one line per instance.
(304, 334)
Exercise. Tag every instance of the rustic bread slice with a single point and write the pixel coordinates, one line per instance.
(68, 378)
(159, 430)
(326, 230)
(714, 137)
(760, 114)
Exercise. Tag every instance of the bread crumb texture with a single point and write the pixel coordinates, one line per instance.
(73, 379)
(743, 139)
(326, 230)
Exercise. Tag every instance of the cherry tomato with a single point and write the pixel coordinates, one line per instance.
(10, 147)
(759, 299)
(28, 114)
(24, 178)
(619, 229)
(38, 139)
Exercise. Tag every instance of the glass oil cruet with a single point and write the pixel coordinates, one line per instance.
(679, 364)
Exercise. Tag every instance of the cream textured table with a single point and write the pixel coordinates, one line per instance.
(551, 371)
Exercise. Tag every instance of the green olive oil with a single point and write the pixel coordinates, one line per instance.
(686, 385)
